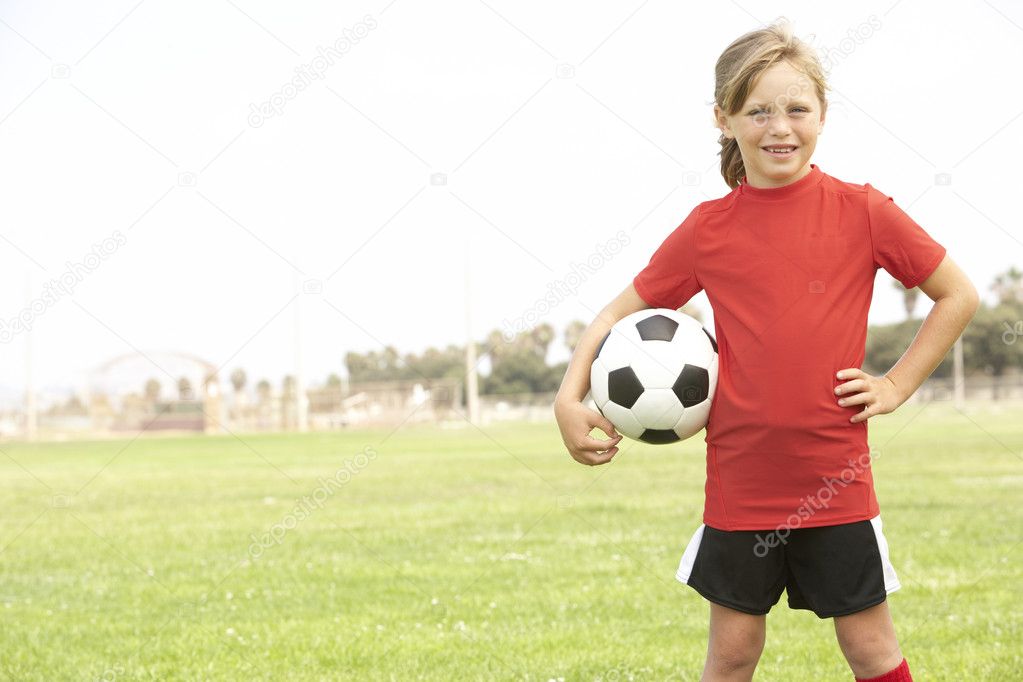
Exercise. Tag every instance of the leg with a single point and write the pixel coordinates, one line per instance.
(867, 639)
(735, 644)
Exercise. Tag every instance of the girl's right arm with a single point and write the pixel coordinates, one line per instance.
(575, 419)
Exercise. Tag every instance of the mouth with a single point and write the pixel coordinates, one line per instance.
(781, 151)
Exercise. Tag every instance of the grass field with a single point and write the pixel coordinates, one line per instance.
(464, 554)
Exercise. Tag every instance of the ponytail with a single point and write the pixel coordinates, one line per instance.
(732, 167)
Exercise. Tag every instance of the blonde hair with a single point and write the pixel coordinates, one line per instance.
(740, 65)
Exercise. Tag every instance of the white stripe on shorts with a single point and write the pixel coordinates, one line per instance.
(685, 567)
(891, 581)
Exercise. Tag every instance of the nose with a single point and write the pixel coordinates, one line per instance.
(778, 126)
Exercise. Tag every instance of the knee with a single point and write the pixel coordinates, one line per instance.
(735, 655)
(871, 654)
(726, 664)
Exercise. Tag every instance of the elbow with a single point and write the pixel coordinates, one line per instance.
(964, 299)
(973, 299)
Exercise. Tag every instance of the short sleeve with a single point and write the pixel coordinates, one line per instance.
(899, 244)
(669, 279)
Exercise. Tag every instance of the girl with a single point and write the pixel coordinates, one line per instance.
(788, 260)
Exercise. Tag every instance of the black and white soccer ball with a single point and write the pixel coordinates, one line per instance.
(654, 375)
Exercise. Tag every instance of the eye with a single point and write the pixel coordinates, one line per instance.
(800, 109)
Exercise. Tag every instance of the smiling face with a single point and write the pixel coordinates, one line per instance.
(782, 112)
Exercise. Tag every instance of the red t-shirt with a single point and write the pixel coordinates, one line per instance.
(789, 272)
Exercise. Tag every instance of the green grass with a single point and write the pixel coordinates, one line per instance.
(461, 554)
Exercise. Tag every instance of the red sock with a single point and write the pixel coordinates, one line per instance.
(897, 674)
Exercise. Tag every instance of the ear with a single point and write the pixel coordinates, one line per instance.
(722, 122)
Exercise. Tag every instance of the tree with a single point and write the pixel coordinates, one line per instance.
(437, 364)
(184, 389)
(520, 365)
(535, 341)
(238, 379)
(263, 390)
(909, 297)
(385, 365)
(152, 391)
(887, 342)
(993, 341)
(522, 372)
(1008, 286)
(74, 405)
(573, 333)
(333, 381)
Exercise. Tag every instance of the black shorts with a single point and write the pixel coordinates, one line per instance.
(830, 570)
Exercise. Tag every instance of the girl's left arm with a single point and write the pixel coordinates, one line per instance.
(955, 302)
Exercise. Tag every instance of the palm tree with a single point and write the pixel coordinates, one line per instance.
(539, 338)
(909, 297)
(238, 379)
(263, 391)
(573, 333)
(184, 389)
(1008, 286)
(152, 391)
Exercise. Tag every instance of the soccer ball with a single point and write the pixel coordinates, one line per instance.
(654, 375)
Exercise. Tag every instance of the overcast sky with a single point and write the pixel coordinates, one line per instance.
(158, 158)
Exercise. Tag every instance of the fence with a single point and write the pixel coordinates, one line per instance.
(388, 404)
(977, 388)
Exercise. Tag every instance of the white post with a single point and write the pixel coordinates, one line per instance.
(31, 420)
(301, 401)
(471, 375)
(958, 375)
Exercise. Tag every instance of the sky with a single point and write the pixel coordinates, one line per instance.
(204, 179)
